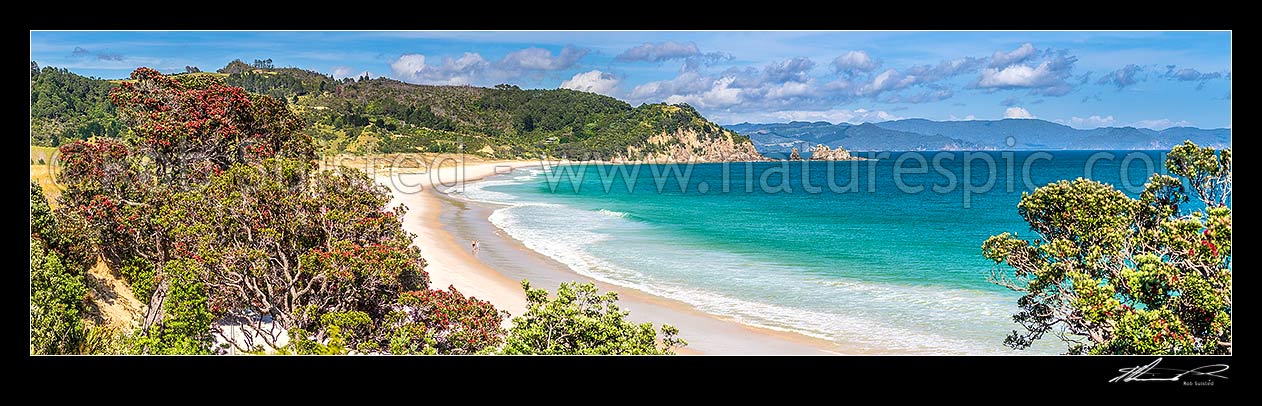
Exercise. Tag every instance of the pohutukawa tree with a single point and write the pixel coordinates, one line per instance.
(1110, 274)
(214, 213)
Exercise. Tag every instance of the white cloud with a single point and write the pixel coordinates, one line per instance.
(1160, 124)
(1047, 78)
(888, 80)
(593, 81)
(1090, 122)
(687, 82)
(721, 94)
(854, 62)
(1015, 76)
(789, 70)
(408, 64)
(1017, 112)
(1001, 58)
(969, 117)
(465, 70)
(342, 72)
(788, 90)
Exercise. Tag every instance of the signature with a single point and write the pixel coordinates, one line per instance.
(1151, 372)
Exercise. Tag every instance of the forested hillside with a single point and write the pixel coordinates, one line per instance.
(66, 106)
(387, 116)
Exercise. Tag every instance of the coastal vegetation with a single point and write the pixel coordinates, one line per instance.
(212, 209)
(1111, 274)
(581, 320)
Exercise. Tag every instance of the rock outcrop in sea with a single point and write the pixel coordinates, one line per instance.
(793, 156)
(821, 152)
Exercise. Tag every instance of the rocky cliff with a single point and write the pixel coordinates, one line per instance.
(821, 152)
(794, 156)
(691, 145)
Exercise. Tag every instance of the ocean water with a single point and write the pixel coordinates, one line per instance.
(880, 265)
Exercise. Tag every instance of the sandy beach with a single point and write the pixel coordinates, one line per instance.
(445, 226)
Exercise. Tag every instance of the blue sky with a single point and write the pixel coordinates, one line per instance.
(1083, 79)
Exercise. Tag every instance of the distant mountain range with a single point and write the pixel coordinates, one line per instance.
(925, 135)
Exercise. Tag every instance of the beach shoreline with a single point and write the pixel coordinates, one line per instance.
(445, 226)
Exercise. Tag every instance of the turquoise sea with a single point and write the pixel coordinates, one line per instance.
(882, 265)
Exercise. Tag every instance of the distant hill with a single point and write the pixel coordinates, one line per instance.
(1027, 134)
(777, 138)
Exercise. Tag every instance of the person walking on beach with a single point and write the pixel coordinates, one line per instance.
(475, 247)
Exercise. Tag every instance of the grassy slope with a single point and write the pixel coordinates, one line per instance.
(43, 173)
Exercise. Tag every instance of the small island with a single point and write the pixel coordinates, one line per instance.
(821, 152)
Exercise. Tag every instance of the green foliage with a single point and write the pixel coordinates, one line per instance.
(1207, 169)
(58, 290)
(185, 327)
(581, 320)
(1114, 275)
(57, 296)
(67, 107)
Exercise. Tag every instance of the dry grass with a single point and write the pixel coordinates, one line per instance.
(43, 173)
(111, 301)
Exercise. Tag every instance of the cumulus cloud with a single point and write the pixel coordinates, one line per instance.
(342, 72)
(1160, 124)
(720, 94)
(1090, 122)
(855, 62)
(593, 81)
(1122, 78)
(1002, 59)
(1048, 78)
(890, 79)
(465, 70)
(789, 70)
(1017, 112)
(686, 83)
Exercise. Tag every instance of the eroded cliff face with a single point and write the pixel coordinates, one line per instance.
(690, 145)
(821, 152)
